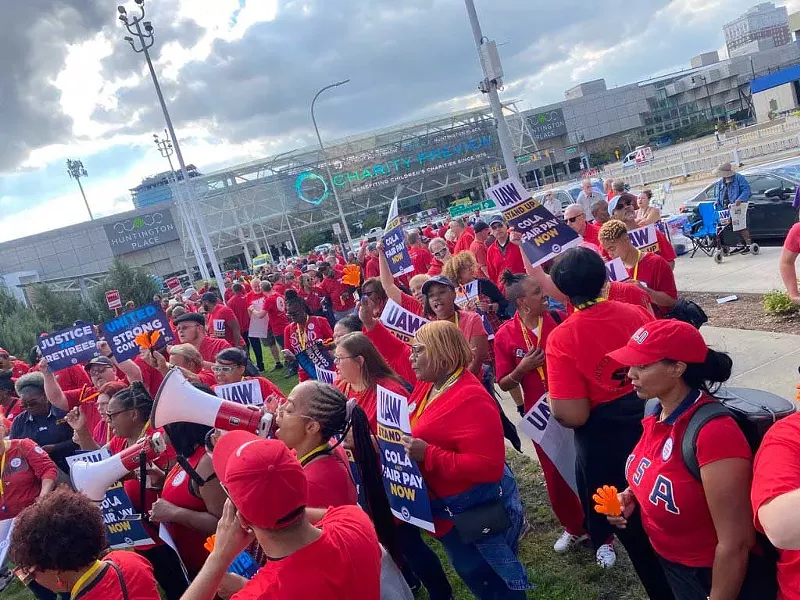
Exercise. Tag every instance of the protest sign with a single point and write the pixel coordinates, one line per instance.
(401, 322)
(6, 528)
(616, 270)
(124, 527)
(70, 346)
(173, 285)
(326, 376)
(259, 326)
(113, 300)
(644, 238)
(247, 391)
(466, 293)
(543, 235)
(396, 252)
(315, 358)
(356, 474)
(557, 442)
(93, 456)
(739, 216)
(120, 333)
(405, 488)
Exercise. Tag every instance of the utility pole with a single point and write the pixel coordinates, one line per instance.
(493, 79)
(146, 40)
(76, 171)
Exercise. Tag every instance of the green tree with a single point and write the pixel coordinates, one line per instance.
(310, 238)
(133, 283)
(60, 309)
(20, 326)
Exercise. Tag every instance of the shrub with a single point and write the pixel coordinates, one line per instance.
(779, 303)
(20, 326)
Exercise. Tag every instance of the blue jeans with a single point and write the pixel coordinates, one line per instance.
(479, 576)
(423, 562)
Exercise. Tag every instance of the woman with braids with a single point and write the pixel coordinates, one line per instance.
(361, 369)
(519, 358)
(128, 413)
(302, 330)
(191, 502)
(58, 544)
(457, 441)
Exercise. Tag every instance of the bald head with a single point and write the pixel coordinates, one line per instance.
(575, 217)
(573, 210)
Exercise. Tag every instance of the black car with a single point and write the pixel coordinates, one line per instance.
(770, 213)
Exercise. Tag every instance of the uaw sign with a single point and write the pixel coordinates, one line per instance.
(139, 232)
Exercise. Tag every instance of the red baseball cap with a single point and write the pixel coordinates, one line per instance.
(263, 478)
(660, 340)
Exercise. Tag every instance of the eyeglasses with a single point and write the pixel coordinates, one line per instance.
(119, 412)
(417, 349)
(338, 359)
(573, 219)
(223, 368)
(440, 253)
(95, 371)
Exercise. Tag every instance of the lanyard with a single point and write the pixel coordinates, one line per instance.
(636, 266)
(590, 303)
(317, 450)
(528, 343)
(302, 336)
(429, 398)
(84, 578)
(3, 468)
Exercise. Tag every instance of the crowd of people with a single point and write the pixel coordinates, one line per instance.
(309, 505)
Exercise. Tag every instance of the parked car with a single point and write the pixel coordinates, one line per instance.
(375, 233)
(322, 248)
(770, 214)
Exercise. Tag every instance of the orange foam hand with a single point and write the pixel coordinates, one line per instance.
(607, 501)
(351, 275)
(148, 339)
(209, 545)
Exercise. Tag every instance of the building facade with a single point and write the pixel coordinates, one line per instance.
(762, 27)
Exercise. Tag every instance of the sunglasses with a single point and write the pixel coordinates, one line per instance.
(572, 219)
(440, 253)
(223, 368)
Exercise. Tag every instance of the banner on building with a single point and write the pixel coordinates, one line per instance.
(557, 442)
(543, 235)
(616, 270)
(405, 488)
(401, 322)
(121, 332)
(247, 391)
(68, 347)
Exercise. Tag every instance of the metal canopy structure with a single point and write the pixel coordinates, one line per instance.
(249, 206)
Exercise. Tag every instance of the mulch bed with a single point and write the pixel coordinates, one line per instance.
(745, 313)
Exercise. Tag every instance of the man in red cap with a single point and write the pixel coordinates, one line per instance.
(267, 488)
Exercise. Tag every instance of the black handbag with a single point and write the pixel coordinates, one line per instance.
(482, 521)
(688, 312)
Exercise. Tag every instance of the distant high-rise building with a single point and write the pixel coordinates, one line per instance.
(761, 27)
(158, 188)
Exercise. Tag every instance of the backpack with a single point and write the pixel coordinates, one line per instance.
(688, 312)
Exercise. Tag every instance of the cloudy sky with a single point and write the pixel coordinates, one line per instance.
(239, 75)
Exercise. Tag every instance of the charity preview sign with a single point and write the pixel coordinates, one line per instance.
(544, 236)
(121, 332)
(68, 347)
(405, 488)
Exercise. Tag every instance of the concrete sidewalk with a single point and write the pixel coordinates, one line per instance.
(750, 273)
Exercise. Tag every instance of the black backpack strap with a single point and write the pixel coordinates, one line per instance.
(121, 580)
(556, 317)
(701, 416)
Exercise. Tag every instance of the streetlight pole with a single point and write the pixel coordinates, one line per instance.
(146, 41)
(76, 171)
(327, 166)
(491, 82)
(167, 150)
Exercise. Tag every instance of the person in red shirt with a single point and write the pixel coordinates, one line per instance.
(188, 359)
(275, 306)
(421, 257)
(371, 268)
(775, 498)
(340, 295)
(238, 305)
(519, 362)
(478, 247)
(429, 232)
(10, 405)
(278, 283)
(72, 378)
(394, 351)
(191, 328)
(650, 270)
(303, 330)
(457, 441)
(464, 235)
(228, 290)
(575, 218)
(699, 525)
(17, 367)
(230, 367)
(789, 254)
(221, 322)
(268, 491)
(623, 208)
(502, 254)
(308, 293)
(594, 397)
(30, 475)
(64, 559)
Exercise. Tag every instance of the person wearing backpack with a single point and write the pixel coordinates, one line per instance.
(700, 528)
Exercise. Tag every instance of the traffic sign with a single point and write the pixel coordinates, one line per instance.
(465, 209)
(173, 285)
(337, 229)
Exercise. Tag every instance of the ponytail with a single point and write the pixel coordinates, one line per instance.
(708, 375)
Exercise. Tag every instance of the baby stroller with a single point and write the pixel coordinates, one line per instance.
(713, 234)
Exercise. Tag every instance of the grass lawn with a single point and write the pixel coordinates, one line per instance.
(571, 576)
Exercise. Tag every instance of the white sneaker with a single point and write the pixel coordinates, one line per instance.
(567, 540)
(606, 556)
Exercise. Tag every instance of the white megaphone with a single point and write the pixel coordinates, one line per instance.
(178, 400)
(94, 478)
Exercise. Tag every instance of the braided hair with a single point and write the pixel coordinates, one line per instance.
(136, 397)
(337, 416)
(295, 300)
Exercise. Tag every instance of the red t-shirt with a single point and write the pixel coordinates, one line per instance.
(396, 352)
(421, 258)
(26, 465)
(464, 241)
(210, 347)
(479, 250)
(219, 323)
(371, 267)
(590, 233)
(792, 242)
(653, 270)
(275, 306)
(672, 502)
(312, 299)
(137, 573)
(151, 377)
(279, 288)
(629, 293)
(665, 249)
(510, 347)
(330, 482)
(19, 368)
(499, 259)
(227, 295)
(368, 399)
(776, 471)
(345, 562)
(333, 289)
(577, 366)
(238, 304)
(89, 408)
(435, 268)
(296, 338)
(465, 439)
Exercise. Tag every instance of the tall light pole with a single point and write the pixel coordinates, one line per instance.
(166, 150)
(76, 171)
(134, 26)
(492, 79)
(327, 166)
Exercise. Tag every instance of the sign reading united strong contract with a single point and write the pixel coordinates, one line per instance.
(141, 231)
